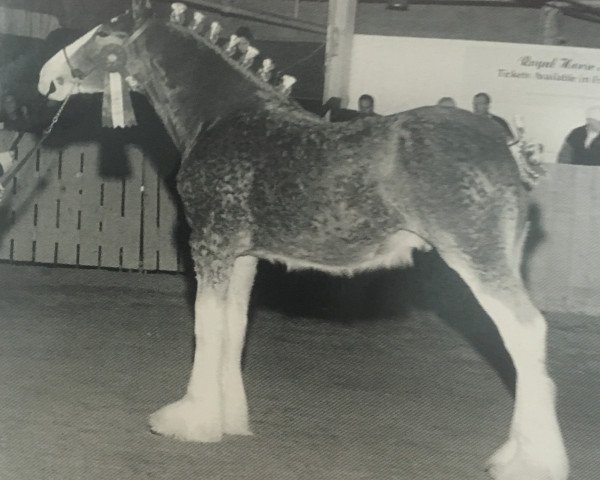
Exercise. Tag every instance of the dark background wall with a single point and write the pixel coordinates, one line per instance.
(428, 19)
(299, 52)
(487, 23)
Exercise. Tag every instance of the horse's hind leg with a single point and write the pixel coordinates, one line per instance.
(215, 402)
(534, 450)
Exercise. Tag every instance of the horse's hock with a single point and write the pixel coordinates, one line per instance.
(60, 211)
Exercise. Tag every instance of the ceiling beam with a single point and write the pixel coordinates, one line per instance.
(228, 9)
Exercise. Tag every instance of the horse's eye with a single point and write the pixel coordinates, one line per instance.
(102, 34)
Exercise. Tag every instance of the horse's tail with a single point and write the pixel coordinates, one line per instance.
(528, 157)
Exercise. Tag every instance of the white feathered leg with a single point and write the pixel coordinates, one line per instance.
(198, 416)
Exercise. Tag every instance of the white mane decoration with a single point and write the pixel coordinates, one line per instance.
(251, 54)
(215, 30)
(197, 21)
(178, 10)
(234, 40)
(265, 72)
(180, 16)
(287, 82)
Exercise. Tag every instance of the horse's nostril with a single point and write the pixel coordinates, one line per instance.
(60, 80)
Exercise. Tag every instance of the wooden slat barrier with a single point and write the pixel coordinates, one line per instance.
(59, 211)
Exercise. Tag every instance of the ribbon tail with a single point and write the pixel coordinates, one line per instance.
(117, 110)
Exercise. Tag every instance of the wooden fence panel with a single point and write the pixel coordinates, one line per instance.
(69, 196)
(91, 199)
(47, 205)
(160, 222)
(150, 220)
(130, 222)
(110, 207)
(19, 238)
(60, 210)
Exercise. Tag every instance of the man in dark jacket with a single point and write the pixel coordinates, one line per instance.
(481, 106)
(582, 145)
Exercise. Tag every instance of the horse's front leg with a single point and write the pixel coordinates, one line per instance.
(211, 405)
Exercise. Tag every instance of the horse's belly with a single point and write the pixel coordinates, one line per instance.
(338, 255)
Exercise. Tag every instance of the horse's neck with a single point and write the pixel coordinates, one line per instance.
(189, 85)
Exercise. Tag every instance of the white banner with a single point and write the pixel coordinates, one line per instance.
(550, 87)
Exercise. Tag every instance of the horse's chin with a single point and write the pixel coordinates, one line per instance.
(44, 88)
(61, 93)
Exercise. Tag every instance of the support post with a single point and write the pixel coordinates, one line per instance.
(340, 29)
(551, 20)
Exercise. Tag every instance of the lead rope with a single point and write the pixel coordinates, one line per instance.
(11, 174)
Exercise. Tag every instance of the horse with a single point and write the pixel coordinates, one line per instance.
(263, 179)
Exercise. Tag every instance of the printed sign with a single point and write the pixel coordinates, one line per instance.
(549, 87)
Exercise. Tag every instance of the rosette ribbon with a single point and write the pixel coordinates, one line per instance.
(117, 110)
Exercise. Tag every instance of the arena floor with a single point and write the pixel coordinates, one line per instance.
(379, 378)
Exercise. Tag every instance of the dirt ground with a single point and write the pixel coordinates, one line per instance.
(390, 376)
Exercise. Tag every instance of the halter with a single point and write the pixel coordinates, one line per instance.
(75, 72)
(137, 32)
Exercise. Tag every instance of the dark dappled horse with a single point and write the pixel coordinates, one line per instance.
(261, 178)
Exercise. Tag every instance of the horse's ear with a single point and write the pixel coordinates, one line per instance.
(141, 9)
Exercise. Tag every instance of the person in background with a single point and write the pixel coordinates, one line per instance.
(446, 102)
(582, 145)
(332, 108)
(366, 106)
(481, 106)
(13, 116)
(333, 111)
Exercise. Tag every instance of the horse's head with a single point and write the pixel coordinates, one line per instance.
(82, 66)
(179, 62)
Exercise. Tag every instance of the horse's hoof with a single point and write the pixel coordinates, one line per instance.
(185, 420)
